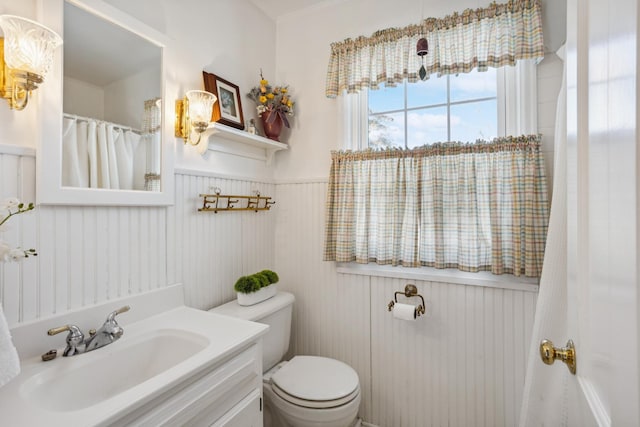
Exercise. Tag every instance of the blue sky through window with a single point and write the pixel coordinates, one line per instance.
(456, 108)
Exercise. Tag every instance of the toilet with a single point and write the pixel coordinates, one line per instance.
(306, 391)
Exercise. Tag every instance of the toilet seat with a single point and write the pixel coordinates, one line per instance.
(316, 382)
(314, 404)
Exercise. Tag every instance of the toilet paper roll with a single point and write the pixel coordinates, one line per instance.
(404, 311)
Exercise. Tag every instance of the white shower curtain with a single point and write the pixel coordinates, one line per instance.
(98, 154)
(544, 401)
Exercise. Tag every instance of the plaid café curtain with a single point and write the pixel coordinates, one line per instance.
(475, 207)
(495, 36)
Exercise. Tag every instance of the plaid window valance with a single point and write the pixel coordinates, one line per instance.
(494, 36)
(475, 207)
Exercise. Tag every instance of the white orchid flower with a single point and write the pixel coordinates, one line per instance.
(12, 206)
(16, 254)
(9, 204)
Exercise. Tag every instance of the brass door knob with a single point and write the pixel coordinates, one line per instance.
(549, 354)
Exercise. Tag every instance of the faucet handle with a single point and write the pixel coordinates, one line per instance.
(74, 339)
(111, 326)
(123, 309)
(55, 331)
(118, 311)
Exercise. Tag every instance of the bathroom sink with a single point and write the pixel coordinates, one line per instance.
(85, 380)
(165, 350)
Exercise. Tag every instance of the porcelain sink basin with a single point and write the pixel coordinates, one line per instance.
(87, 379)
(166, 347)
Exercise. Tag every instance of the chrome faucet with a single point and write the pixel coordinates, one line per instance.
(109, 332)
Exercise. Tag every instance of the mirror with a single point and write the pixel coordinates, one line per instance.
(106, 111)
(111, 99)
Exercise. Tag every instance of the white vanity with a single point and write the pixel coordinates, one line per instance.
(174, 365)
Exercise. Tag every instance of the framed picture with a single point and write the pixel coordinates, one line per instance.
(228, 109)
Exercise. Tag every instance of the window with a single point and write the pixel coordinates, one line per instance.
(474, 207)
(448, 108)
(515, 106)
(430, 207)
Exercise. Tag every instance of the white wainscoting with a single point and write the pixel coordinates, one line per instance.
(463, 364)
(211, 250)
(88, 255)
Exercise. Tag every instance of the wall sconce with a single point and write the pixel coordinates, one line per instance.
(193, 113)
(26, 54)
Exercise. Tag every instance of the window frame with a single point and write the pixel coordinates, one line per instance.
(517, 102)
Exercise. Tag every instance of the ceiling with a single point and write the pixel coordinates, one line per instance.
(554, 16)
(99, 52)
(276, 8)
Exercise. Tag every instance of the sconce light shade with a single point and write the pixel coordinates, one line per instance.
(200, 108)
(193, 113)
(27, 55)
(28, 45)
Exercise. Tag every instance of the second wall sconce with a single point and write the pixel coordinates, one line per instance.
(26, 55)
(193, 114)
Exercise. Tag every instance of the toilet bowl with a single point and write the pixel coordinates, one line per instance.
(311, 391)
(306, 391)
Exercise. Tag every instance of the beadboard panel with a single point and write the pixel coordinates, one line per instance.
(213, 249)
(330, 318)
(460, 365)
(88, 255)
(17, 179)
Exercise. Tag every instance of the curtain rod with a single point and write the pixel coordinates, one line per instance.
(88, 119)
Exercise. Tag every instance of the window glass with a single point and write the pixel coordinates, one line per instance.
(473, 85)
(474, 120)
(448, 108)
(386, 99)
(426, 126)
(386, 130)
(429, 92)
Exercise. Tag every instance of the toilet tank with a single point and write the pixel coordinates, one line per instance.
(275, 312)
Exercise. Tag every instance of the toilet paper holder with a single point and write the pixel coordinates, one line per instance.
(409, 291)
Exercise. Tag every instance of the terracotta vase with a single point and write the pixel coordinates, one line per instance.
(271, 129)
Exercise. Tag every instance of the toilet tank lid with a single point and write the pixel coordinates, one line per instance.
(256, 311)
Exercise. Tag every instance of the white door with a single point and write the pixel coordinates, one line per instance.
(603, 206)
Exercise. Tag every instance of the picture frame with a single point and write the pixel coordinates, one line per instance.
(228, 108)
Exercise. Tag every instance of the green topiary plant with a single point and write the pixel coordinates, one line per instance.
(263, 279)
(247, 284)
(271, 276)
(253, 282)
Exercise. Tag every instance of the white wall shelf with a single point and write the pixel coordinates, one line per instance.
(247, 139)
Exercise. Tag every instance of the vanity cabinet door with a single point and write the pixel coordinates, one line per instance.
(213, 395)
(247, 413)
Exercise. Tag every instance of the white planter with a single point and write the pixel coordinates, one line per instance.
(258, 296)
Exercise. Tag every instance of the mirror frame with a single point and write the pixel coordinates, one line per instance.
(49, 189)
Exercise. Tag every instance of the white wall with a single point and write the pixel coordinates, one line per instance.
(83, 99)
(120, 102)
(124, 99)
(91, 254)
(463, 365)
(88, 255)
